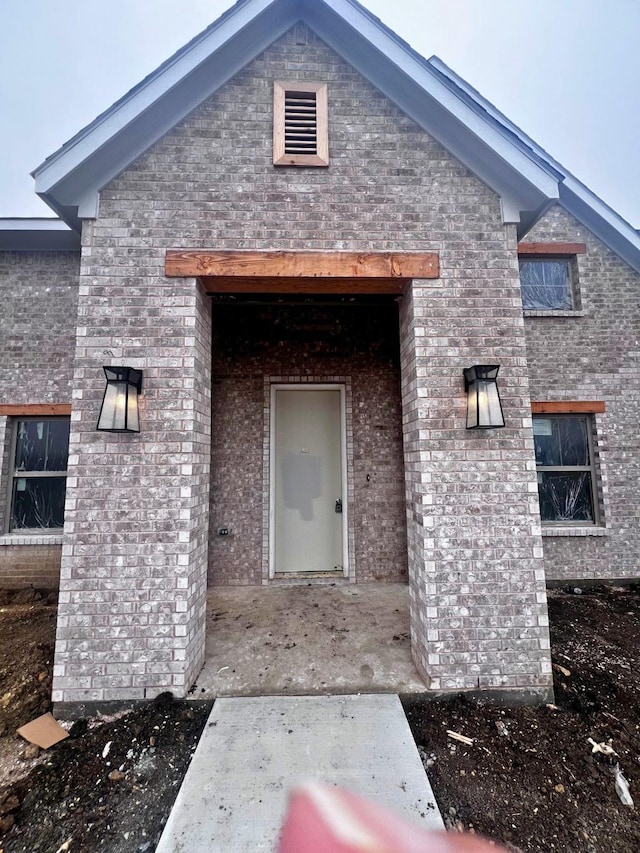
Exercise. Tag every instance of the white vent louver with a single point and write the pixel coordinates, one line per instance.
(300, 123)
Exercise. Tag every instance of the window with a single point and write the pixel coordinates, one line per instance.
(548, 275)
(39, 475)
(546, 284)
(564, 460)
(300, 124)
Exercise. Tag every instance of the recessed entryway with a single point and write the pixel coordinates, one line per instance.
(351, 349)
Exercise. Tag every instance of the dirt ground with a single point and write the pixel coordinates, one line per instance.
(528, 779)
(109, 786)
(531, 779)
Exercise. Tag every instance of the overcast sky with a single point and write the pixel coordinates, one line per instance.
(566, 71)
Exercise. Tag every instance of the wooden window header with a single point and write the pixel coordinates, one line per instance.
(567, 407)
(558, 250)
(288, 265)
(35, 409)
(300, 124)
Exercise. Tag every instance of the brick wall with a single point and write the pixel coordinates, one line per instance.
(477, 591)
(30, 565)
(308, 343)
(133, 578)
(39, 297)
(138, 505)
(595, 355)
(37, 339)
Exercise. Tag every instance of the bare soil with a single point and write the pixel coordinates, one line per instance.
(109, 786)
(529, 779)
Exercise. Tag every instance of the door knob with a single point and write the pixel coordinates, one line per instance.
(339, 505)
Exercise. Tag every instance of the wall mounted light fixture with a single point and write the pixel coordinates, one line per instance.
(484, 410)
(119, 410)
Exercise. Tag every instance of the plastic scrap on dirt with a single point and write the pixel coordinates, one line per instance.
(622, 786)
(44, 731)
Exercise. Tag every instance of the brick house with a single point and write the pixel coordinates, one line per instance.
(300, 233)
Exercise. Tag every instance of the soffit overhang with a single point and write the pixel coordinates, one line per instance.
(37, 234)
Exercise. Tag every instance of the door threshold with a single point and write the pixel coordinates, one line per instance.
(306, 576)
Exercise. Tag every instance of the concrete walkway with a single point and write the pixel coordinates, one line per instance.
(253, 750)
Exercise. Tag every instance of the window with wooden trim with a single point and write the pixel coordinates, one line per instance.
(39, 474)
(547, 284)
(548, 275)
(300, 124)
(565, 466)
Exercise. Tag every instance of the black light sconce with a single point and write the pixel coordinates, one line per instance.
(119, 410)
(484, 410)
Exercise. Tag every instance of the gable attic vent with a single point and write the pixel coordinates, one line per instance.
(300, 125)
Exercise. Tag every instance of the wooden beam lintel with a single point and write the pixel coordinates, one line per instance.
(15, 410)
(550, 249)
(567, 407)
(346, 265)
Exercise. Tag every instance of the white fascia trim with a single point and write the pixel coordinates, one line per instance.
(574, 186)
(494, 112)
(34, 224)
(545, 182)
(35, 234)
(572, 190)
(598, 217)
(59, 165)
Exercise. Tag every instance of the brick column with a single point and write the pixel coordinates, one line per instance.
(478, 600)
(134, 561)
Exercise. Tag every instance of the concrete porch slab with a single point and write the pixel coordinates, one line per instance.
(254, 750)
(308, 639)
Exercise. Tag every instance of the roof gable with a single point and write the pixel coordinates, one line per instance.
(526, 179)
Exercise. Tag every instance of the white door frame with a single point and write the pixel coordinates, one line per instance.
(308, 386)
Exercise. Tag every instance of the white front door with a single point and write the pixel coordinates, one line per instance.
(307, 476)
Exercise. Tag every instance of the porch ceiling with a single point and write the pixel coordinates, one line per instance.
(311, 286)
